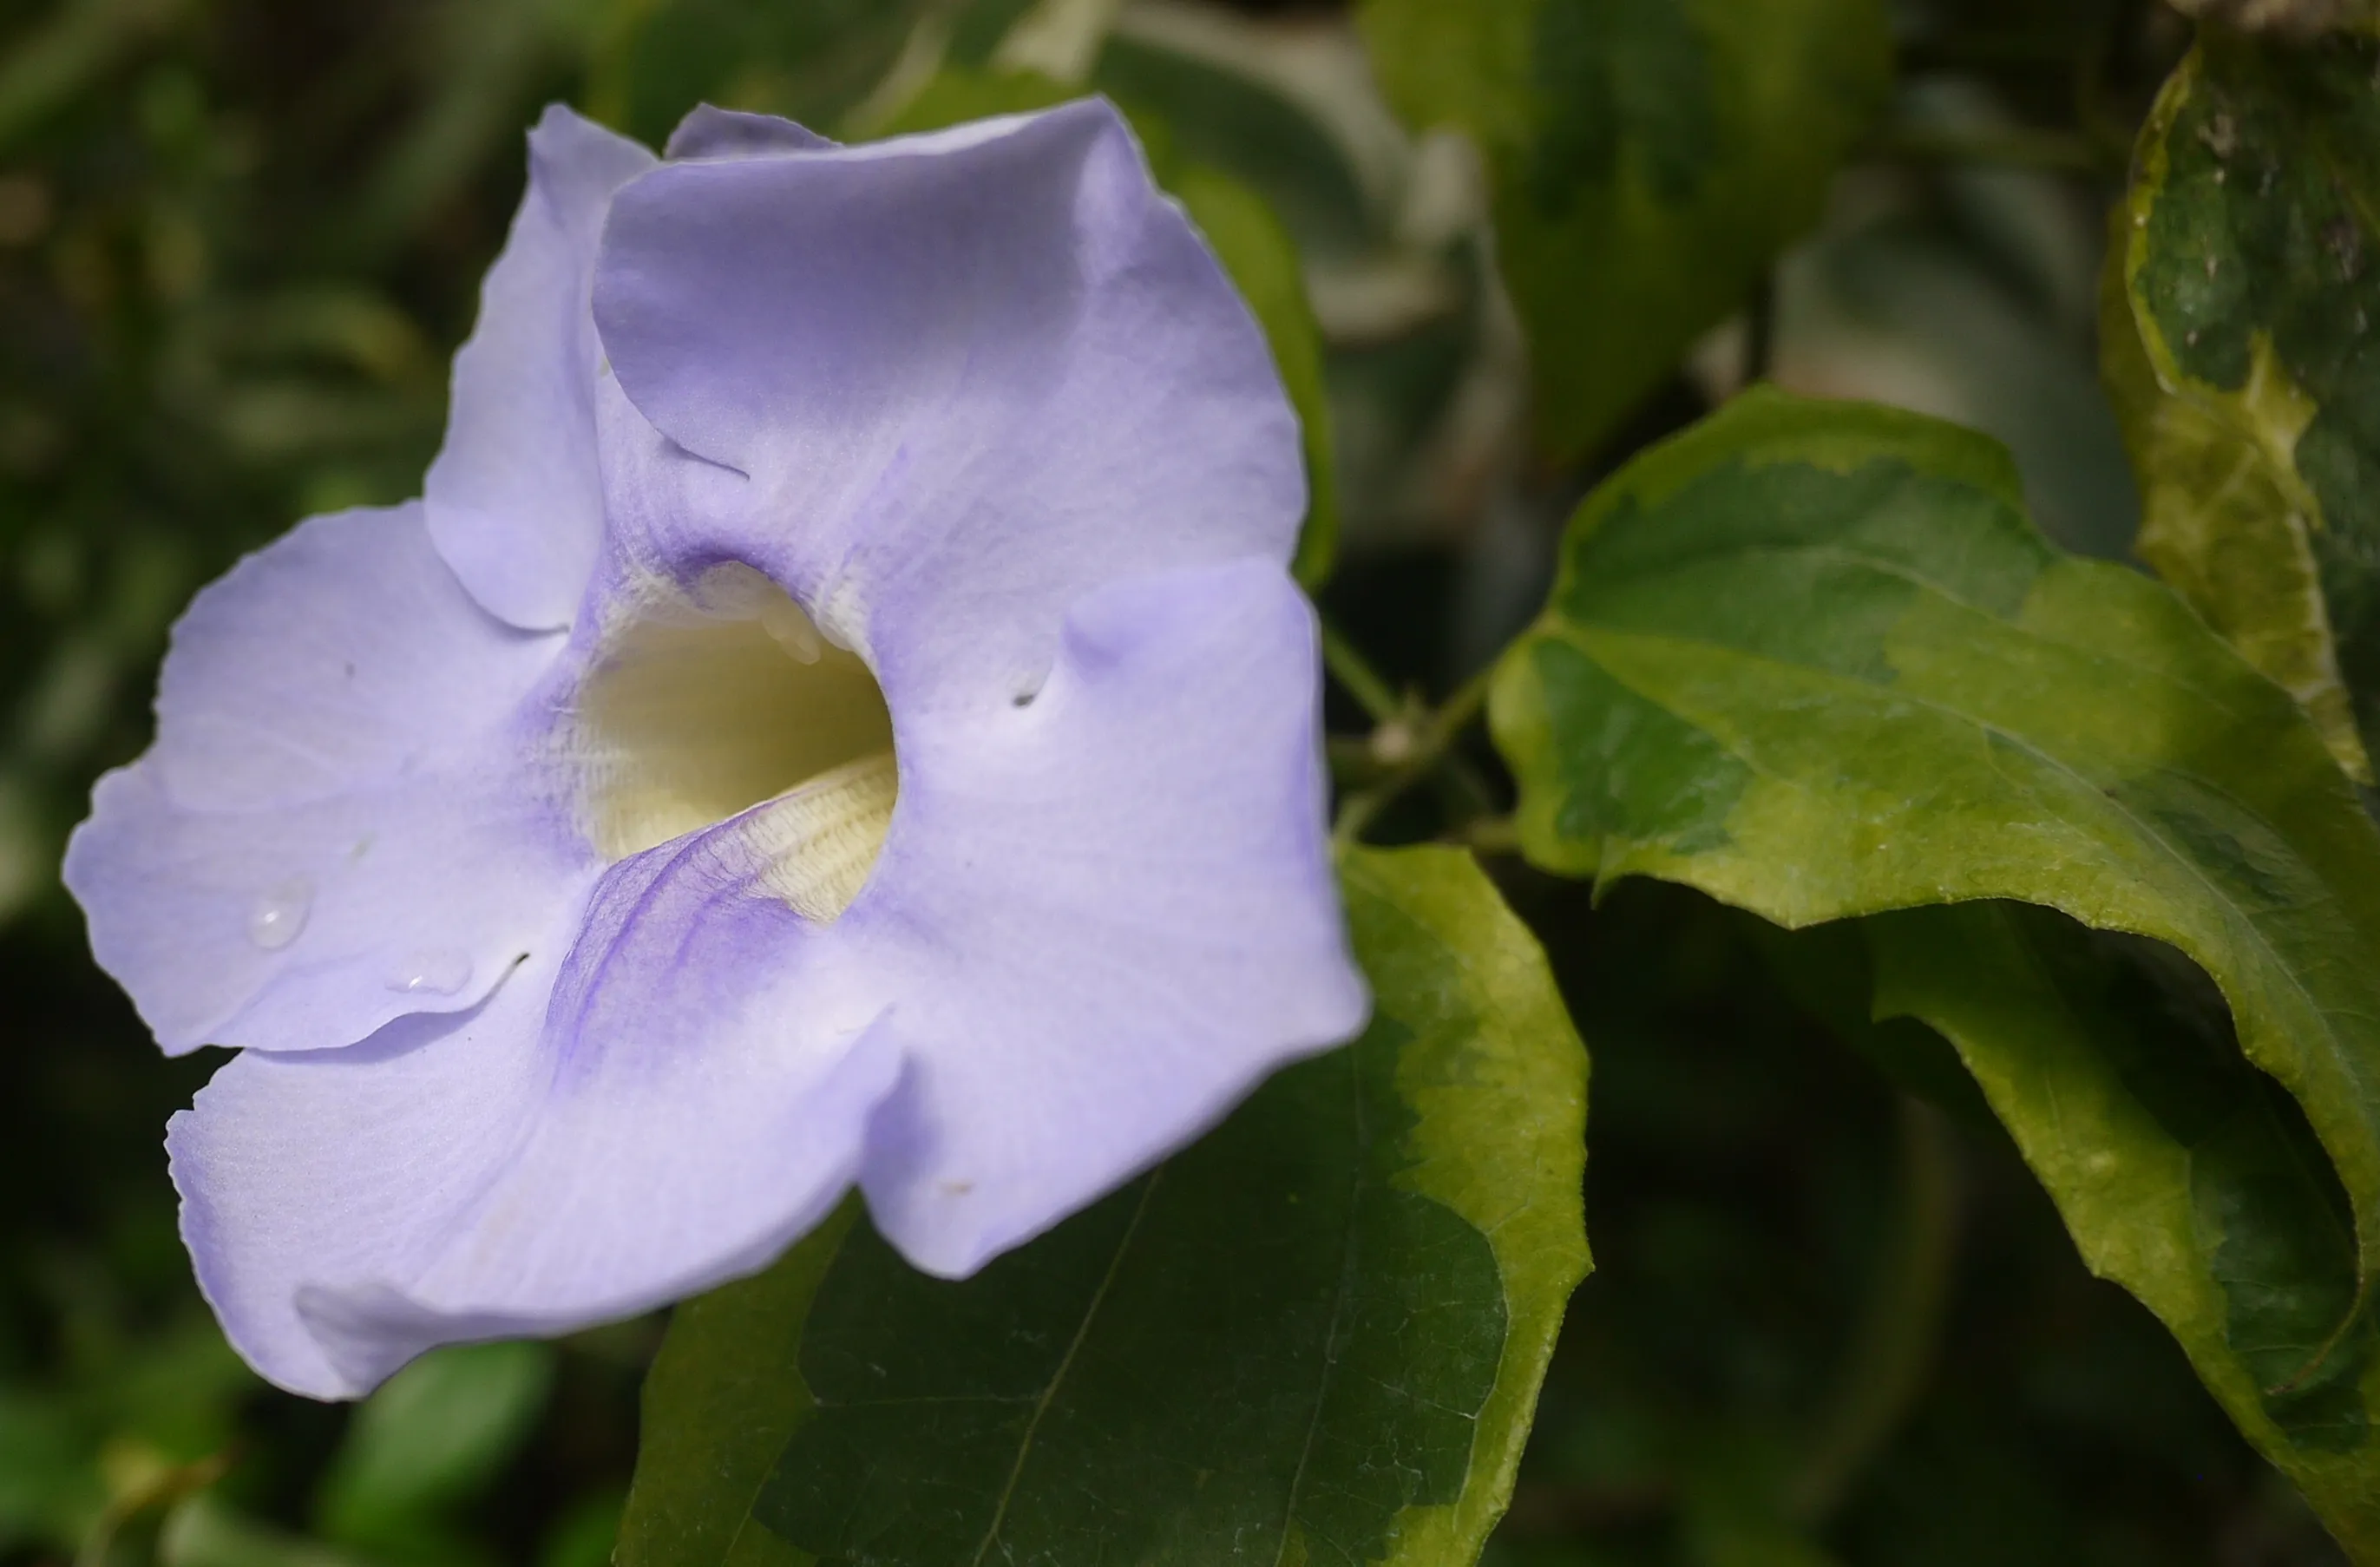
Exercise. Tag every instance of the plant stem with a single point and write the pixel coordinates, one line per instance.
(1354, 673)
(1354, 762)
(1900, 1323)
(1488, 835)
(1431, 735)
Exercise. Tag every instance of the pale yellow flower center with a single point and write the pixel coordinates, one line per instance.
(698, 712)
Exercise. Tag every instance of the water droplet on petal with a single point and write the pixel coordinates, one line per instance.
(280, 913)
(440, 971)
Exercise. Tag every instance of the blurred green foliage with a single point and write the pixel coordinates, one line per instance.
(239, 240)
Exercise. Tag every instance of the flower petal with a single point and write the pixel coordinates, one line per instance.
(1100, 919)
(515, 498)
(301, 1170)
(665, 1109)
(969, 375)
(712, 132)
(340, 821)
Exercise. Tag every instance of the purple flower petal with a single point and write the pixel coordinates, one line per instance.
(984, 405)
(666, 1108)
(1099, 921)
(514, 497)
(340, 821)
(1103, 918)
(710, 132)
(970, 376)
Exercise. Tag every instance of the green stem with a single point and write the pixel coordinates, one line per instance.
(1432, 736)
(1363, 683)
(1893, 1348)
(1488, 835)
(1354, 763)
(153, 1492)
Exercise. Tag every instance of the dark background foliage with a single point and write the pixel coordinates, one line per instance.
(239, 241)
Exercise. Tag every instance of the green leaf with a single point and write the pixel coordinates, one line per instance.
(1649, 160)
(819, 62)
(955, 94)
(813, 62)
(1314, 1336)
(722, 1399)
(437, 1433)
(2184, 1174)
(1246, 238)
(1813, 660)
(1234, 100)
(2241, 300)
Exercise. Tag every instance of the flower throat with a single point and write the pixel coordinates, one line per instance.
(699, 712)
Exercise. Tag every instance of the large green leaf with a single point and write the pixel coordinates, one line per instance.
(1314, 1336)
(1650, 159)
(2241, 302)
(2184, 1174)
(1813, 659)
(724, 1396)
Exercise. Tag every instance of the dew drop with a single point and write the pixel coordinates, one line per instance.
(440, 971)
(280, 913)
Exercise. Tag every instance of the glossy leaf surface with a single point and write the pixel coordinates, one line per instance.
(1813, 660)
(1316, 1335)
(2183, 1174)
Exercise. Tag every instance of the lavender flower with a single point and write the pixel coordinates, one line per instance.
(838, 715)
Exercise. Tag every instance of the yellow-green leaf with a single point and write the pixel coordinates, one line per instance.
(1814, 660)
(2237, 342)
(2183, 1174)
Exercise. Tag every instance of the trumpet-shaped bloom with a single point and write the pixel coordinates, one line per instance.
(838, 715)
